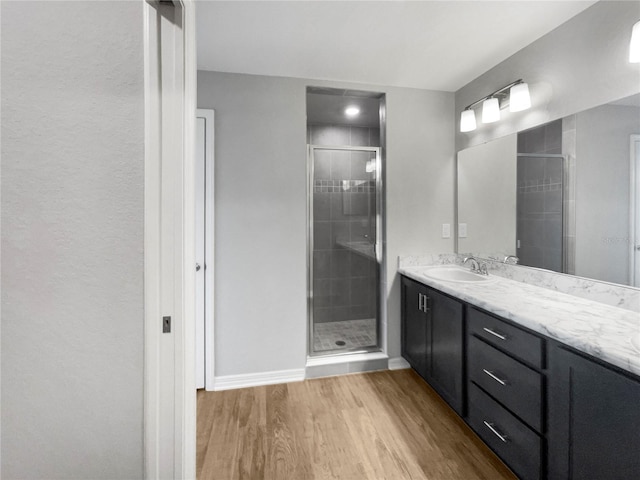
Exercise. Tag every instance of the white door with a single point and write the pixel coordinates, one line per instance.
(204, 248)
(635, 210)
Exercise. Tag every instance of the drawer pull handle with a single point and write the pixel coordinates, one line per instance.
(497, 379)
(490, 426)
(495, 334)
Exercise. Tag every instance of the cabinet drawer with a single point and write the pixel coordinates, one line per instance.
(518, 446)
(516, 386)
(517, 342)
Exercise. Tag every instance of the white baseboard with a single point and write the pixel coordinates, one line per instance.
(398, 363)
(228, 382)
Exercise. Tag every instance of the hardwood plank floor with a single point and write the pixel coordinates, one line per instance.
(379, 425)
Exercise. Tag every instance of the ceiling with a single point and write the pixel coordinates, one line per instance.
(438, 45)
(328, 107)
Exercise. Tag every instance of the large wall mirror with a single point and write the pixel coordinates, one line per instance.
(564, 196)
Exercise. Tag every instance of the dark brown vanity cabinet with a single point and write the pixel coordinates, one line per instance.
(507, 391)
(414, 325)
(594, 419)
(433, 339)
(548, 411)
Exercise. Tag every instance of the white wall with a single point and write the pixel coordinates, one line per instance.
(602, 191)
(261, 259)
(487, 188)
(581, 64)
(72, 240)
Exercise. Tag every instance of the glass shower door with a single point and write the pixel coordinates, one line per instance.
(344, 231)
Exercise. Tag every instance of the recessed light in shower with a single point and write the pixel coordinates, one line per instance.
(352, 111)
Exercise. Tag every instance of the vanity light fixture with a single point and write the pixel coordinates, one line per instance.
(468, 120)
(352, 111)
(490, 110)
(519, 98)
(634, 45)
(516, 95)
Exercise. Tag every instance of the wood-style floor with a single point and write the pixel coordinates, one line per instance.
(379, 425)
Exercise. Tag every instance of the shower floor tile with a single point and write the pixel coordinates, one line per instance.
(354, 334)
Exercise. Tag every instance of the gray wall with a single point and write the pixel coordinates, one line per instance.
(581, 64)
(72, 240)
(602, 191)
(261, 318)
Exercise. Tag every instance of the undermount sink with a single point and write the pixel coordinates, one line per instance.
(452, 273)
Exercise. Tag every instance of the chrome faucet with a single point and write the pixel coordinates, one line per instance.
(483, 269)
(475, 266)
(511, 257)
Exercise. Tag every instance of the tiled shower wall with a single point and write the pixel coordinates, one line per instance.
(345, 282)
(539, 198)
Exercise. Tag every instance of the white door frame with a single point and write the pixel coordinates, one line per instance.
(634, 194)
(169, 241)
(209, 230)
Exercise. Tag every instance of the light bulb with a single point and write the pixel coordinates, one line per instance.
(490, 110)
(352, 111)
(634, 45)
(467, 121)
(519, 98)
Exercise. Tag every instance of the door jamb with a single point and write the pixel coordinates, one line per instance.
(169, 431)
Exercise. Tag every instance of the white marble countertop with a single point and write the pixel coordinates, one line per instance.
(600, 330)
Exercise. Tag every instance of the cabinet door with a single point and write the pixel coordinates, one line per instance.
(594, 420)
(414, 326)
(445, 337)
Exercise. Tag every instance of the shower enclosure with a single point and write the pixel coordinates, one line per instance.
(344, 249)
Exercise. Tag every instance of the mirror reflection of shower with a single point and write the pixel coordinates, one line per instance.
(541, 240)
(345, 219)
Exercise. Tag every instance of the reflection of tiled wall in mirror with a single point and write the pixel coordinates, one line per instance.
(539, 197)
